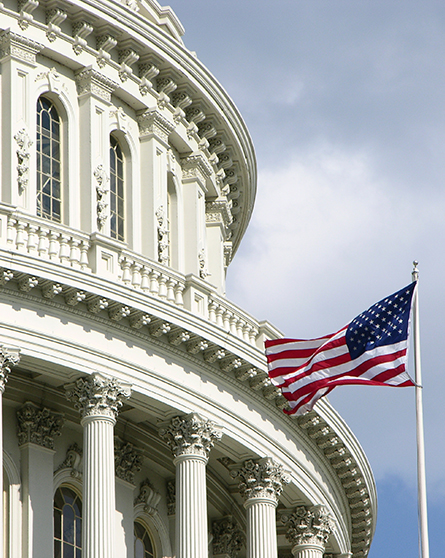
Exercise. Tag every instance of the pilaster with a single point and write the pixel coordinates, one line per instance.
(191, 439)
(261, 483)
(98, 398)
(218, 220)
(36, 430)
(94, 93)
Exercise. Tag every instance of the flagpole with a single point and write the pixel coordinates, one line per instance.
(421, 476)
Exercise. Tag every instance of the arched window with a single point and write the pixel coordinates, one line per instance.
(117, 208)
(49, 187)
(67, 524)
(143, 542)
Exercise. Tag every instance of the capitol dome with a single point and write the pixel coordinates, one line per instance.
(138, 417)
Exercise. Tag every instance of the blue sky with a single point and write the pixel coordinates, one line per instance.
(345, 102)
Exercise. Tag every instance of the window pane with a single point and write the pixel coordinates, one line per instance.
(79, 532)
(57, 523)
(45, 121)
(68, 551)
(57, 549)
(138, 549)
(68, 524)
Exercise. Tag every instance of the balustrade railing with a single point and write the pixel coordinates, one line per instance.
(46, 240)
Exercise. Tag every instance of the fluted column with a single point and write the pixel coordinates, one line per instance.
(261, 483)
(190, 439)
(8, 358)
(98, 399)
(308, 530)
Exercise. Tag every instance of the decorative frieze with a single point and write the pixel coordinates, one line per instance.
(197, 345)
(148, 497)
(98, 395)
(153, 124)
(228, 537)
(73, 461)
(309, 525)
(81, 30)
(23, 152)
(38, 426)
(191, 435)
(8, 357)
(91, 82)
(127, 460)
(262, 478)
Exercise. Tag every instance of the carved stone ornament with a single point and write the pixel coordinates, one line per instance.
(54, 18)
(147, 73)
(228, 538)
(262, 478)
(132, 4)
(81, 30)
(202, 260)
(101, 193)
(196, 167)
(73, 461)
(148, 496)
(26, 7)
(127, 460)
(89, 81)
(153, 123)
(8, 358)
(98, 395)
(24, 143)
(18, 47)
(104, 44)
(38, 426)
(219, 212)
(52, 77)
(309, 525)
(191, 435)
(163, 244)
(171, 497)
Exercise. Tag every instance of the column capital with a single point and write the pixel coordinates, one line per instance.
(309, 526)
(228, 538)
(191, 435)
(8, 357)
(152, 123)
(38, 426)
(261, 478)
(98, 395)
(18, 47)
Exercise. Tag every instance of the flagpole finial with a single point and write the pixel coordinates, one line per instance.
(415, 272)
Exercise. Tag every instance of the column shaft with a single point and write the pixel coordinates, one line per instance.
(308, 551)
(261, 528)
(191, 507)
(98, 487)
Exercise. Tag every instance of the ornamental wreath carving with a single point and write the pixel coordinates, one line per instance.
(191, 435)
(38, 426)
(309, 525)
(262, 478)
(98, 395)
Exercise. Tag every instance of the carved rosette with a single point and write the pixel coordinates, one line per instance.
(309, 526)
(8, 358)
(262, 478)
(228, 538)
(191, 435)
(98, 395)
(38, 426)
(148, 497)
(127, 460)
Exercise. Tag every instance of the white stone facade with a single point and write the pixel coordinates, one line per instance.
(138, 418)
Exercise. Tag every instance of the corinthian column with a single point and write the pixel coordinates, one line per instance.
(8, 358)
(261, 483)
(308, 530)
(98, 399)
(190, 439)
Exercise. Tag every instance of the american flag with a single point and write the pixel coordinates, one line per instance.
(370, 350)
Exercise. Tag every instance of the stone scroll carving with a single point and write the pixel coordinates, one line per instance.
(148, 497)
(73, 461)
(8, 358)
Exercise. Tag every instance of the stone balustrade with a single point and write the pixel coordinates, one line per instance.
(38, 238)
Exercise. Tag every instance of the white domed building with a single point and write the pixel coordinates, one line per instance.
(138, 418)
